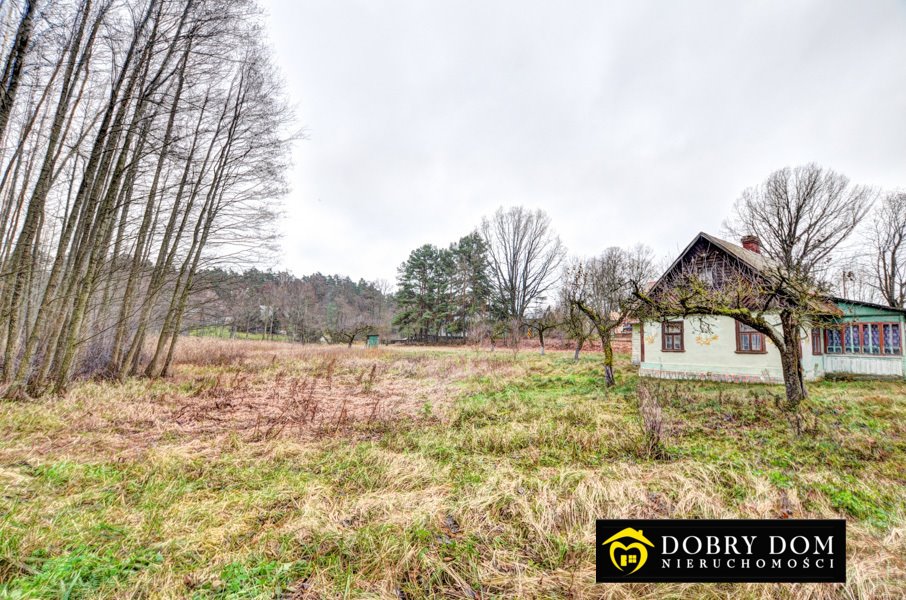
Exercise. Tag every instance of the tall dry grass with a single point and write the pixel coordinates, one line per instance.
(263, 469)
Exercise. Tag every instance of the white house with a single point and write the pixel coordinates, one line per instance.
(866, 340)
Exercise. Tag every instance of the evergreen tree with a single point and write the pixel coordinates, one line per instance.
(425, 294)
(471, 282)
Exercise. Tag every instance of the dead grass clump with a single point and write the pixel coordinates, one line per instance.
(271, 391)
(651, 420)
(207, 352)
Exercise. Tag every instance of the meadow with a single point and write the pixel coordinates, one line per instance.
(268, 470)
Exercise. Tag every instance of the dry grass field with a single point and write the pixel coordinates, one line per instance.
(265, 470)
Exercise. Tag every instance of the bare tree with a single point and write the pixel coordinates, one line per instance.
(525, 256)
(800, 216)
(543, 320)
(888, 240)
(144, 142)
(348, 325)
(11, 75)
(576, 325)
(601, 288)
(852, 276)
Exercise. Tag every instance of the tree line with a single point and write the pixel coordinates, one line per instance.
(280, 306)
(511, 276)
(140, 142)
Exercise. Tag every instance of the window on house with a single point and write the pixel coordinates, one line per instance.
(672, 336)
(891, 333)
(817, 346)
(748, 340)
(864, 338)
(871, 338)
(834, 341)
(852, 340)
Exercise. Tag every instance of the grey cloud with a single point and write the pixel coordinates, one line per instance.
(627, 122)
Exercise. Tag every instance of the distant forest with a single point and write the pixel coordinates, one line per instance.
(281, 306)
(494, 283)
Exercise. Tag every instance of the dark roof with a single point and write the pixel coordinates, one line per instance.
(753, 260)
(760, 263)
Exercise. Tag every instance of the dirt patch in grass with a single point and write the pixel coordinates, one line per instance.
(297, 406)
(258, 391)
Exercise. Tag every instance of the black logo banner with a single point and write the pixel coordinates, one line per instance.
(725, 550)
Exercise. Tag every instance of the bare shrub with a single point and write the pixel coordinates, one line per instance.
(366, 379)
(651, 419)
(298, 410)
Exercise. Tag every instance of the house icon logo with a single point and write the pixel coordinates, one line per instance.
(624, 556)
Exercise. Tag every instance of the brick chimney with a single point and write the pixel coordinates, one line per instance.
(751, 242)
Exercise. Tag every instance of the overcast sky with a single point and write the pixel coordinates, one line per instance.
(626, 121)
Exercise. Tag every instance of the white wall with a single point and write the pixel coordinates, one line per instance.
(882, 366)
(710, 353)
(636, 344)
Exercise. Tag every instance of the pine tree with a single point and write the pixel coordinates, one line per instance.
(471, 281)
(425, 294)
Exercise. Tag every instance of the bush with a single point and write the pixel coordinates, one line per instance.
(651, 418)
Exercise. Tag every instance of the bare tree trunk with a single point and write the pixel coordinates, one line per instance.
(166, 256)
(96, 226)
(173, 322)
(124, 202)
(21, 256)
(170, 330)
(12, 69)
(103, 229)
(83, 206)
(608, 360)
(91, 222)
(791, 362)
(84, 116)
(118, 363)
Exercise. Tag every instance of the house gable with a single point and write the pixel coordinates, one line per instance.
(742, 277)
(712, 260)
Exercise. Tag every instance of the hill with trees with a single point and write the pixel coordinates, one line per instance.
(311, 308)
